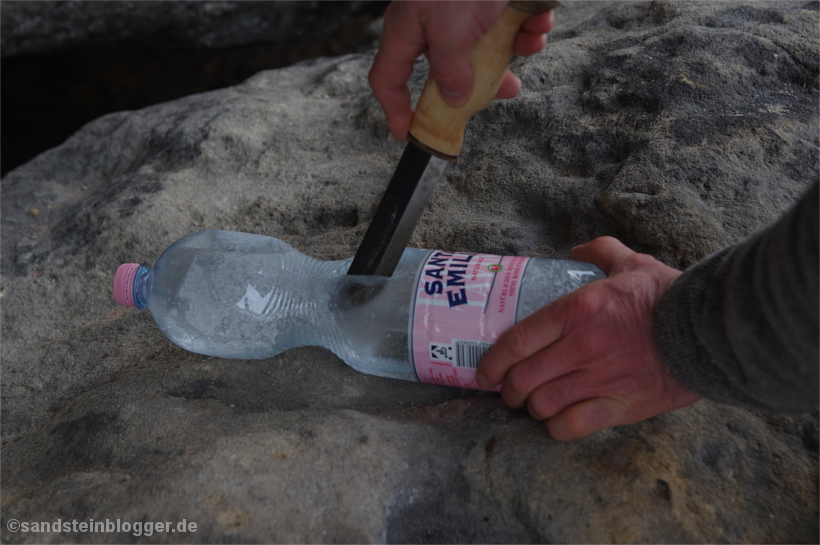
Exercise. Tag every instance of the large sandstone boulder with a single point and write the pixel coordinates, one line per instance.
(47, 26)
(679, 127)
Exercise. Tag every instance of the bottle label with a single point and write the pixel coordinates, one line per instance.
(463, 303)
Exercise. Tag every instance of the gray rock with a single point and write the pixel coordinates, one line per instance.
(677, 126)
(46, 26)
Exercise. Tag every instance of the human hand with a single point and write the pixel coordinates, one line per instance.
(588, 360)
(445, 32)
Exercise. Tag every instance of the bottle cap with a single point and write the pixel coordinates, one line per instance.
(124, 284)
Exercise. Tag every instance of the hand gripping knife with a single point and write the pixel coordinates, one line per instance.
(435, 140)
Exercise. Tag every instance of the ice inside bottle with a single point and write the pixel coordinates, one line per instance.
(240, 295)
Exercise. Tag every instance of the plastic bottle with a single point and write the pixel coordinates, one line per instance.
(240, 295)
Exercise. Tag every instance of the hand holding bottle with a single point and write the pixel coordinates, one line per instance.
(588, 360)
(445, 32)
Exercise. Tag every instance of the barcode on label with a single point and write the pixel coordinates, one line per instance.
(469, 353)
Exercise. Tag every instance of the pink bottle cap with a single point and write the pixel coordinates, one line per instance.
(124, 284)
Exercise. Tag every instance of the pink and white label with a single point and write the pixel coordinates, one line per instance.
(464, 302)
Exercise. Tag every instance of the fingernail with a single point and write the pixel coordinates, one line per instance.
(453, 98)
(482, 381)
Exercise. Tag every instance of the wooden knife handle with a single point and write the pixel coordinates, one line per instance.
(437, 127)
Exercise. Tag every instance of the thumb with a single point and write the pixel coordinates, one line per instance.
(586, 417)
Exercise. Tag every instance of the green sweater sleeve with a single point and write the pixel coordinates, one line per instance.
(742, 327)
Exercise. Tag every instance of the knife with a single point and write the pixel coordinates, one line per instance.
(435, 140)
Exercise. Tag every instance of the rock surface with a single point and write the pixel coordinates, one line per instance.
(45, 26)
(677, 126)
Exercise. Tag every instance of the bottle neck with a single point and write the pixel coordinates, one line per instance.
(142, 285)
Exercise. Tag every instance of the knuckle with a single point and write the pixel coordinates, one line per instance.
(517, 383)
(588, 299)
(596, 415)
(516, 343)
(576, 425)
(450, 78)
(636, 261)
(579, 422)
(540, 407)
(602, 242)
(549, 400)
(572, 423)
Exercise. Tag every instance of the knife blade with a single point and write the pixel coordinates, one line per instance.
(435, 139)
(411, 186)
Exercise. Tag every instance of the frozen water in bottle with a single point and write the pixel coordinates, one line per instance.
(240, 295)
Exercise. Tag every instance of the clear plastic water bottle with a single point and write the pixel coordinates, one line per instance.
(240, 295)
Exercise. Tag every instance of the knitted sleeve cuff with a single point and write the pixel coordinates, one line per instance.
(686, 339)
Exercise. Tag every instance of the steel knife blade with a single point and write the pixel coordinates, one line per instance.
(413, 182)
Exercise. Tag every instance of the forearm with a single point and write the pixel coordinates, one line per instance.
(741, 326)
